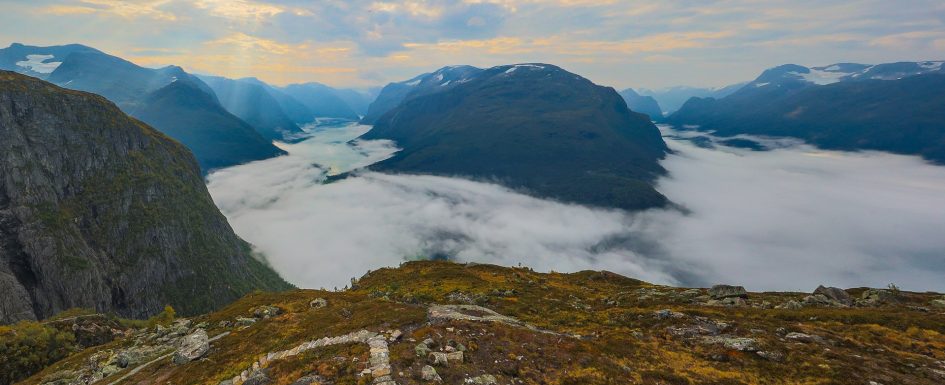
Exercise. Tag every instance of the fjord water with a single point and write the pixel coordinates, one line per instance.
(786, 219)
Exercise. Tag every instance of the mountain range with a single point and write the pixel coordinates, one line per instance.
(534, 127)
(671, 99)
(99, 210)
(895, 107)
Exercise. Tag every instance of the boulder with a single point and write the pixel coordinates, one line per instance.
(876, 297)
(428, 373)
(422, 350)
(318, 303)
(790, 305)
(266, 311)
(939, 303)
(192, 347)
(742, 344)
(727, 291)
(439, 358)
(258, 377)
(454, 357)
(836, 294)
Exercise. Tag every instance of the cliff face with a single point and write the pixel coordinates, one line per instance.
(98, 210)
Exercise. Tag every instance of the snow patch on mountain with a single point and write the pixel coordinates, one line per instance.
(37, 63)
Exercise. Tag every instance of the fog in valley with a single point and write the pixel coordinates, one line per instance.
(785, 219)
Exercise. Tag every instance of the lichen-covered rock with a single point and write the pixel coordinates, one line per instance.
(727, 291)
(98, 210)
(438, 358)
(735, 343)
(318, 303)
(428, 373)
(192, 347)
(266, 311)
(835, 294)
(485, 379)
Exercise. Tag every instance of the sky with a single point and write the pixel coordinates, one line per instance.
(355, 43)
(787, 219)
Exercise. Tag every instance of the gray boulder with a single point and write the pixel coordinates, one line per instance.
(318, 303)
(428, 373)
(836, 294)
(727, 291)
(192, 347)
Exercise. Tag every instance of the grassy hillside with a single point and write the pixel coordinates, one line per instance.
(582, 328)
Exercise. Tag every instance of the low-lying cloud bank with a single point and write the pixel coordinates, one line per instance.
(790, 219)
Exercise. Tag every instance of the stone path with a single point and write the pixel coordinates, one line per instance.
(379, 368)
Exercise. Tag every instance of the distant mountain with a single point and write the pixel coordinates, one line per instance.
(534, 127)
(98, 210)
(321, 100)
(201, 123)
(672, 98)
(359, 101)
(130, 86)
(253, 103)
(642, 104)
(394, 93)
(897, 107)
(38, 61)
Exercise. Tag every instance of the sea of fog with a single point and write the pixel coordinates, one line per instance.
(785, 219)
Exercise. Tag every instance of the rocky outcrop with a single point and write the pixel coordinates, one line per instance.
(192, 347)
(98, 210)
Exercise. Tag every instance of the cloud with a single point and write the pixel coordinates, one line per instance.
(791, 218)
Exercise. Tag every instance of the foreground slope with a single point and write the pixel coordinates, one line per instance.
(534, 127)
(896, 107)
(98, 210)
(483, 324)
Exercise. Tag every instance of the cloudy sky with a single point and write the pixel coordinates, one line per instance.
(358, 43)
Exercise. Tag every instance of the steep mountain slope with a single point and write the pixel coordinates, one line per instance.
(359, 101)
(439, 322)
(842, 106)
(642, 104)
(130, 86)
(254, 104)
(530, 126)
(321, 100)
(219, 138)
(98, 210)
(394, 93)
(672, 98)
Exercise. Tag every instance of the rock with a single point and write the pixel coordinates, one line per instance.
(800, 337)
(429, 342)
(727, 291)
(422, 350)
(226, 382)
(876, 297)
(318, 303)
(836, 294)
(266, 311)
(395, 335)
(771, 356)
(242, 321)
(939, 303)
(820, 300)
(310, 380)
(258, 377)
(742, 344)
(485, 379)
(454, 357)
(790, 305)
(192, 347)
(666, 313)
(428, 373)
(439, 358)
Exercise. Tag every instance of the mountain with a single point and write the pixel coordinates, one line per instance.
(38, 61)
(359, 101)
(442, 322)
(98, 210)
(394, 93)
(535, 127)
(130, 86)
(321, 100)
(201, 123)
(254, 104)
(894, 107)
(642, 104)
(672, 98)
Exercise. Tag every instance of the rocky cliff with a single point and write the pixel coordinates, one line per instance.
(98, 210)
